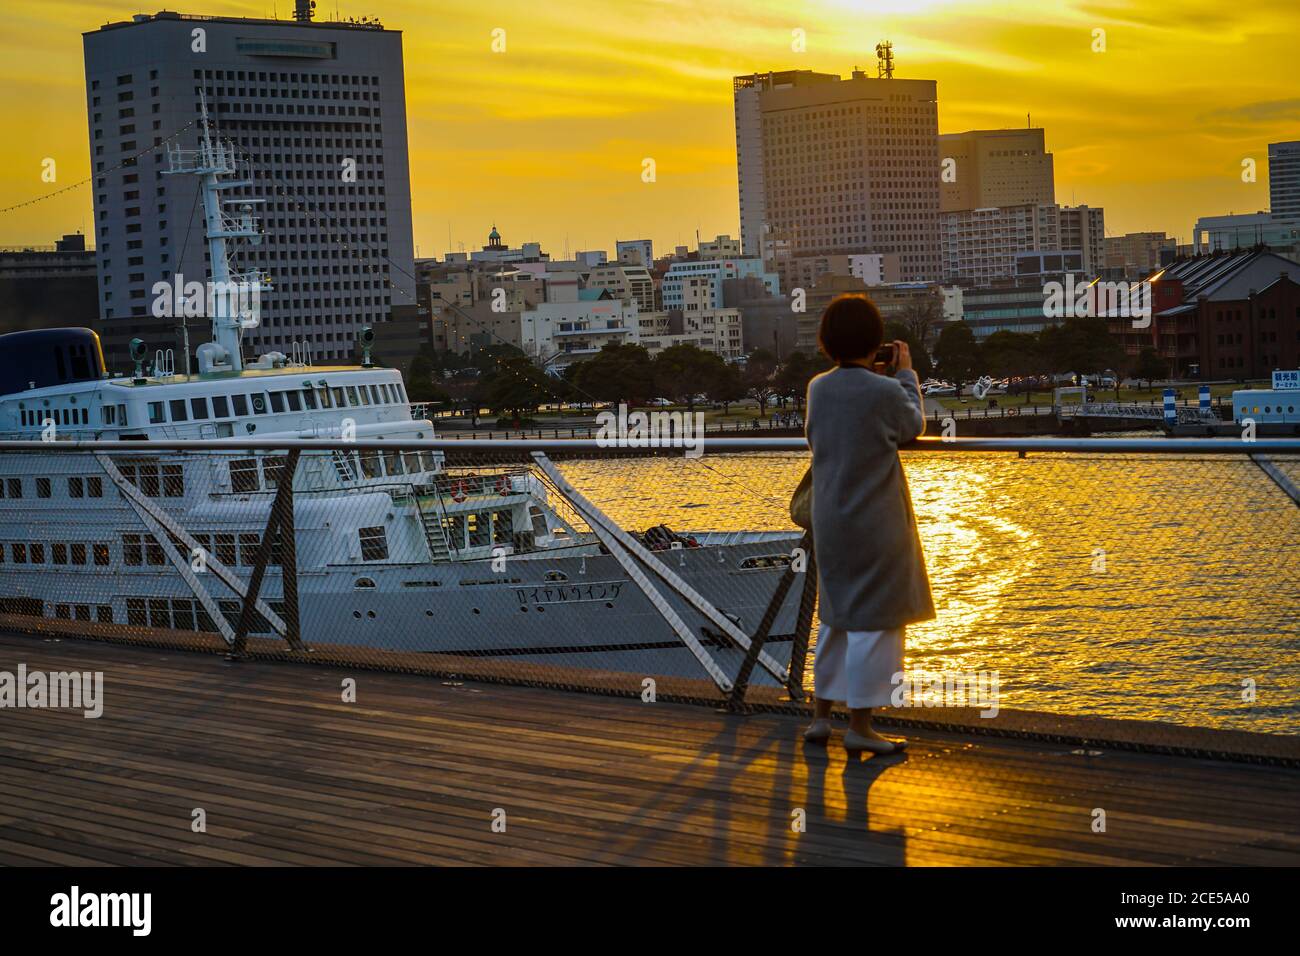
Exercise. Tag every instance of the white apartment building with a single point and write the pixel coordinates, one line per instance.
(303, 102)
(723, 247)
(625, 282)
(555, 334)
(632, 252)
(1084, 228)
(716, 330)
(696, 285)
(980, 245)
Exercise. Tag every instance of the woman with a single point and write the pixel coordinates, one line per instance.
(872, 574)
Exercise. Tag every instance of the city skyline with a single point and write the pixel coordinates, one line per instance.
(547, 139)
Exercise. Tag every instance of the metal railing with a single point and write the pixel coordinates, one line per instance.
(626, 565)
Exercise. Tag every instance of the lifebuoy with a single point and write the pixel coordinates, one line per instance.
(503, 485)
(1013, 410)
(458, 491)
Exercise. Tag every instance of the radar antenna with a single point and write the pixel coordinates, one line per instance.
(884, 60)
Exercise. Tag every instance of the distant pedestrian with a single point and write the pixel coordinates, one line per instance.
(873, 580)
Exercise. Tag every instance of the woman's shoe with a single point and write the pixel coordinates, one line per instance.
(818, 732)
(854, 742)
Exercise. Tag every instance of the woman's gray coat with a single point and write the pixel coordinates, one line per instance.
(869, 559)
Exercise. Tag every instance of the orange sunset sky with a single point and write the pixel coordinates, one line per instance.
(547, 138)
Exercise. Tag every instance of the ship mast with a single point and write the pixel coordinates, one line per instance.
(232, 298)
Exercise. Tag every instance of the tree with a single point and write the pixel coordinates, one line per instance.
(1010, 354)
(920, 318)
(516, 386)
(681, 372)
(760, 378)
(727, 386)
(957, 354)
(419, 381)
(1149, 366)
(798, 370)
(921, 363)
(617, 373)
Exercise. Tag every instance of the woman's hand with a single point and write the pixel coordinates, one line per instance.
(902, 355)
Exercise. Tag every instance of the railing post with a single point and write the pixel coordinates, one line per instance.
(274, 523)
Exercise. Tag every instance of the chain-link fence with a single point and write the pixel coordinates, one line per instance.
(1140, 585)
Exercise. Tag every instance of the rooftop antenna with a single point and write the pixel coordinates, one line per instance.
(884, 60)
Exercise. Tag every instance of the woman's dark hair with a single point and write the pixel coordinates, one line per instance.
(851, 328)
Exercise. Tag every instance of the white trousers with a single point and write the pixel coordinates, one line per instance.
(857, 667)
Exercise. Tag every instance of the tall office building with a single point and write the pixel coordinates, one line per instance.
(1284, 180)
(995, 167)
(1084, 228)
(827, 166)
(319, 112)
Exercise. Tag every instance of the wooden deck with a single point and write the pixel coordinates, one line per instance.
(413, 771)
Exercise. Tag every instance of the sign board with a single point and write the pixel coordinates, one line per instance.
(1286, 379)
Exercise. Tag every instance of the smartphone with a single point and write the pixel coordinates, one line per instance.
(885, 360)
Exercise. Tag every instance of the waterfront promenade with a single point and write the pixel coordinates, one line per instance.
(418, 768)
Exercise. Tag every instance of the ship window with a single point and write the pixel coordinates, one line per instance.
(173, 481)
(323, 396)
(453, 526)
(243, 475)
(36, 551)
(135, 612)
(259, 403)
(339, 401)
(94, 487)
(101, 553)
(308, 398)
(374, 544)
(59, 553)
(294, 399)
(104, 613)
(364, 394)
(132, 550)
(272, 469)
(374, 394)
(178, 410)
(42, 487)
(352, 395)
(393, 462)
(364, 584)
(76, 488)
(108, 414)
(556, 576)
(225, 549)
(503, 527)
(15, 487)
(277, 401)
(18, 553)
(539, 521)
(78, 552)
(480, 528)
(156, 415)
(248, 545)
(412, 462)
(370, 464)
(241, 404)
(153, 551)
(220, 407)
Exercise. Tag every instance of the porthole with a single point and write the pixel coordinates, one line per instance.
(476, 610)
(371, 615)
(364, 584)
(609, 604)
(524, 608)
(428, 613)
(356, 614)
(556, 576)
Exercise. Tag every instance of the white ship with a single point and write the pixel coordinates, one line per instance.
(393, 550)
